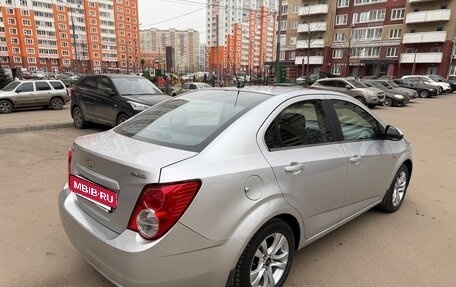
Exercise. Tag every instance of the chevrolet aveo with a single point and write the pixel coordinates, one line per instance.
(220, 187)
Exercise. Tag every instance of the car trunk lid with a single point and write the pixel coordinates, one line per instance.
(109, 162)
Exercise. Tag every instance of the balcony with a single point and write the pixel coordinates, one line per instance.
(312, 27)
(313, 60)
(428, 16)
(313, 10)
(420, 1)
(410, 58)
(315, 43)
(424, 37)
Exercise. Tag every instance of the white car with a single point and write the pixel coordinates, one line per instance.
(441, 86)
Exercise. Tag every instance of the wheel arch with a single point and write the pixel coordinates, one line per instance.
(408, 163)
(9, 100)
(58, 97)
(294, 225)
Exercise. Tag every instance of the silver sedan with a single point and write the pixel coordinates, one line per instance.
(220, 187)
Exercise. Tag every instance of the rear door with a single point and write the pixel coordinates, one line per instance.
(86, 96)
(107, 106)
(310, 165)
(43, 93)
(369, 157)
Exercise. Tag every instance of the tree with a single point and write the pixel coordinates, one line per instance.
(5, 79)
(315, 26)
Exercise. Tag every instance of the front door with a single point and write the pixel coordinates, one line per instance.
(310, 166)
(368, 155)
(25, 95)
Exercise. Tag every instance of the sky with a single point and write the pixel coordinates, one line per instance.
(161, 13)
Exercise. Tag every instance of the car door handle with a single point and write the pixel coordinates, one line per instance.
(355, 159)
(295, 168)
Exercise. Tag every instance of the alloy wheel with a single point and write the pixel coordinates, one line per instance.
(399, 188)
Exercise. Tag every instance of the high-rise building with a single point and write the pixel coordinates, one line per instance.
(72, 35)
(240, 35)
(369, 37)
(185, 44)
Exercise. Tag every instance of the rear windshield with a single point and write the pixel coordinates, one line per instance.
(192, 121)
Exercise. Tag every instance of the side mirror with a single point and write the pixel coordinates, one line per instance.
(393, 134)
(348, 87)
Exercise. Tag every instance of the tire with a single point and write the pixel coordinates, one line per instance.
(395, 195)
(6, 107)
(424, 94)
(56, 103)
(388, 102)
(271, 267)
(361, 99)
(121, 118)
(78, 118)
(439, 91)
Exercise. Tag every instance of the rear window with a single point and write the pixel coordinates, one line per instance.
(57, 85)
(192, 121)
(135, 86)
(42, 86)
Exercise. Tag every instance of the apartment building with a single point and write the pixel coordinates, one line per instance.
(73, 35)
(370, 37)
(186, 44)
(240, 36)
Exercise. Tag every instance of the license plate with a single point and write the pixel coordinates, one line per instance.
(93, 192)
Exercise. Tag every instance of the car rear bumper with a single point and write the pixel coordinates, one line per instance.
(180, 258)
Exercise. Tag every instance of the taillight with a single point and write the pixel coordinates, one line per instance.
(160, 206)
(70, 157)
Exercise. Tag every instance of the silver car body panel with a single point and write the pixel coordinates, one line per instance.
(243, 186)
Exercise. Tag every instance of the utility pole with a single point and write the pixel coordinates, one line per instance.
(217, 48)
(279, 30)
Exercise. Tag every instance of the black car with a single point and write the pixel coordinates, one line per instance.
(423, 90)
(111, 99)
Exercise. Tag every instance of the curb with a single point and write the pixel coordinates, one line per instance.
(35, 128)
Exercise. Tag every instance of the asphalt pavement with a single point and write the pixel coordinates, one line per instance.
(35, 119)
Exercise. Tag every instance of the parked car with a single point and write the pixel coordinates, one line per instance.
(187, 87)
(441, 87)
(439, 78)
(111, 99)
(391, 85)
(423, 90)
(33, 93)
(392, 98)
(224, 185)
(312, 78)
(352, 88)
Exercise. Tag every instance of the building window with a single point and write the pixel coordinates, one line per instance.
(335, 70)
(284, 9)
(342, 3)
(395, 34)
(43, 61)
(17, 60)
(338, 54)
(339, 37)
(14, 41)
(65, 53)
(31, 60)
(61, 17)
(398, 14)
(29, 41)
(369, 16)
(30, 51)
(365, 2)
(27, 32)
(292, 41)
(66, 62)
(295, 9)
(282, 55)
(283, 25)
(292, 55)
(25, 13)
(391, 52)
(341, 19)
(16, 51)
(365, 52)
(294, 25)
(11, 21)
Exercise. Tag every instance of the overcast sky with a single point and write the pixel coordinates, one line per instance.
(161, 13)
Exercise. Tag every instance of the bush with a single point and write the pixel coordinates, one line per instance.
(4, 78)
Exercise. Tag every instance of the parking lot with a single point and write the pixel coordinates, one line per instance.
(414, 247)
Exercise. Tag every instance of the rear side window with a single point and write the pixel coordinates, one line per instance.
(42, 86)
(57, 85)
(303, 123)
(190, 122)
